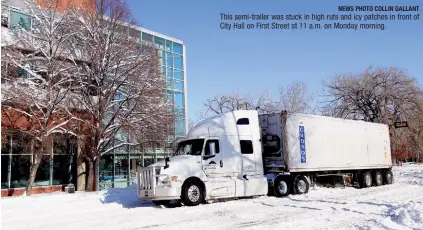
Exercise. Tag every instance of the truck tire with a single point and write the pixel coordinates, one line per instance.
(281, 186)
(192, 193)
(388, 177)
(161, 202)
(301, 185)
(366, 180)
(377, 178)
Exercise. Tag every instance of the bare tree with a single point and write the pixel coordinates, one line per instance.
(295, 98)
(222, 103)
(39, 91)
(120, 83)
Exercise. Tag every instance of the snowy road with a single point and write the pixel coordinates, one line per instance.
(396, 206)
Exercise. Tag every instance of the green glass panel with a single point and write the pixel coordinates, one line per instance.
(178, 75)
(20, 170)
(169, 59)
(179, 99)
(169, 73)
(177, 48)
(61, 173)
(168, 46)
(179, 86)
(147, 37)
(162, 57)
(43, 173)
(177, 61)
(20, 20)
(160, 42)
(180, 127)
(4, 170)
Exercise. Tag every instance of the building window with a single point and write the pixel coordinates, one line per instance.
(179, 99)
(20, 170)
(246, 146)
(179, 75)
(169, 59)
(43, 173)
(147, 37)
(179, 86)
(17, 156)
(180, 128)
(64, 159)
(168, 46)
(169, 73)
(177, 48)
(177, 61)
(20, 20)
(160, 42)
(162, 57)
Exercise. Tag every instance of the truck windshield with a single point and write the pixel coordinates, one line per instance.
(190, 147)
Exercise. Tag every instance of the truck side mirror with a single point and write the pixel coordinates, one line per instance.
(212, 151)
(212, 147)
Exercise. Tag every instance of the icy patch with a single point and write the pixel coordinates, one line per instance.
(409, 215)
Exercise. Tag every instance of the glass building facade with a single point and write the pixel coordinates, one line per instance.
(117, 168)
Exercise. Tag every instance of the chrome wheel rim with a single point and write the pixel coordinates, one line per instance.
(302, 186)
(389, 178)
(368, 180)
(379, 178)
(282, 187)
(193, 193)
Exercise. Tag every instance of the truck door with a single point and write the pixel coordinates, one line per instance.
(220, 186)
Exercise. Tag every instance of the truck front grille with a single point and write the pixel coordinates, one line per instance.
(148, 177)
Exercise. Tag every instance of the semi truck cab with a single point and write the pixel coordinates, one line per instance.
(221, 157)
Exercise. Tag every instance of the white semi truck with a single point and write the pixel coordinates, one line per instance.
(244, 154)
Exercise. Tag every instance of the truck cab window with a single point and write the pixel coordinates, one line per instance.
(243, 121)
(246, 146)
(190, 147)
(208, 144)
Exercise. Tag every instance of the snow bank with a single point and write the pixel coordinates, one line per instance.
(396, 206)
(408, 215)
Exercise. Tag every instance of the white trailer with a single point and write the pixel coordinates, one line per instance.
(243, 154)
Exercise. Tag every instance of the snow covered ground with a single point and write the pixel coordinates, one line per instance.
(396, 206)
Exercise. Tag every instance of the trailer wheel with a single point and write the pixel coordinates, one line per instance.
(281, 186)
(378, 181)
(192, 193)
(389, 177)
(301, 185)
(366, 180)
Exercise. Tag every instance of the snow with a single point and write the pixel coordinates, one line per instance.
(396, 206)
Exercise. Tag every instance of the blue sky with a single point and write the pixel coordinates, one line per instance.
(250, 61)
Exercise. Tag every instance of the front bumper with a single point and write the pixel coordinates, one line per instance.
(165, 193)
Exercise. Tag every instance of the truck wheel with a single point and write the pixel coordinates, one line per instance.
(281, 187)
(192, 194)
(366, 180)
(161, 202)
(389, 177)
(377, 177)
(301, 185)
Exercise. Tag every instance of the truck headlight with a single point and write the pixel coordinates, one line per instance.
(166, 181)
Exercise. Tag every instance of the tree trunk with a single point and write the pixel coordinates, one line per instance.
(96, 174)
(32, 174)
(90, 178)
(81, 173)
